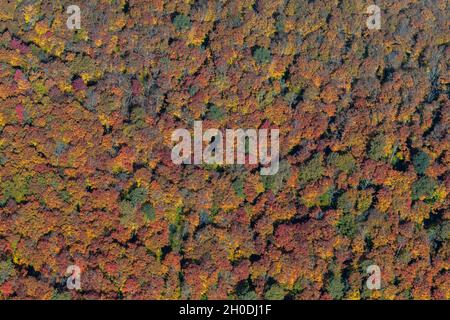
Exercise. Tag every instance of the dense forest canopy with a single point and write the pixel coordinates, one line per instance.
(86, 176)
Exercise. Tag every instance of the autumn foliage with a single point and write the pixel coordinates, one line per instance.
(86, 176)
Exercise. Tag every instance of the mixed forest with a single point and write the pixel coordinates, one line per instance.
(86, 176)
